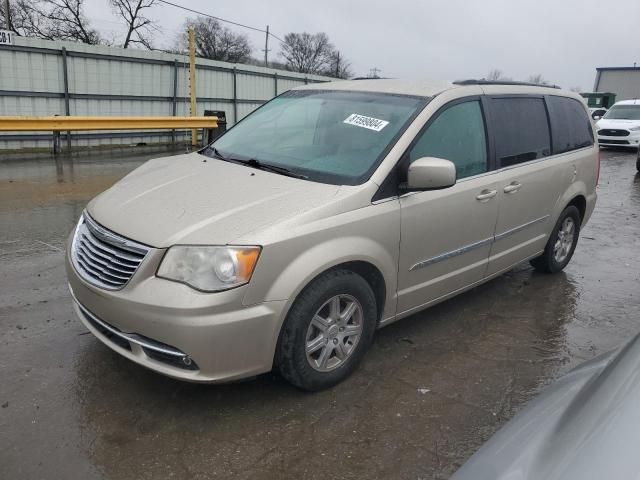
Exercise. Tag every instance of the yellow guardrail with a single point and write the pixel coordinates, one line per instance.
(63, 123)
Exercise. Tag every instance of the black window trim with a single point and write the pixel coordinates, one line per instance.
(389, 188)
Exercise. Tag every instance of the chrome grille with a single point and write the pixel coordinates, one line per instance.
(104, 258)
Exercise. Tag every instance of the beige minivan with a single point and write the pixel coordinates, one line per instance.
(332, 210)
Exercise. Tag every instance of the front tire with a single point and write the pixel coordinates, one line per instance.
(561, 244)
(327, 331)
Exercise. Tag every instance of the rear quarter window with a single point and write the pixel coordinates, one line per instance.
(521, 129)
(570, 124)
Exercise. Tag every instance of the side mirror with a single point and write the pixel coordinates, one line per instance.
(430, 173)
(596, 117)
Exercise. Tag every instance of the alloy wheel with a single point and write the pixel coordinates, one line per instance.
(334, 333)
(564, 240)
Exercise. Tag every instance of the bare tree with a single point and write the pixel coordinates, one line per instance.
(538, 79)
(216, 42)
(27, 18)
(70, 21)
(307, 53)
(6, 12)
(52, 20)
(140, 28)
(497, 75)
(338, 66)
(8, 15)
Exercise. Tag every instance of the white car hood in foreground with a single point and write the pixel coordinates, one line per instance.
(193, 199)
(585, 426)
(616, 124)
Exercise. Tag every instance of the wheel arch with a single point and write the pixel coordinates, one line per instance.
(289, 268)
(580, 202)
(575, 195)
(367, 269)
(371, 274)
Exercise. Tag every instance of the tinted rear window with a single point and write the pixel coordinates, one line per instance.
(521, 129)
(570, 124)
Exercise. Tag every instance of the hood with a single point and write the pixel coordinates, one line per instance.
(615, 123)
(585, 426)
(193, 199)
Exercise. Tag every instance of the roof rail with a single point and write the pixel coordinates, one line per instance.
(501, 82)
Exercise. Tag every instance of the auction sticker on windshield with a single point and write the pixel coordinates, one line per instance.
(366, 122)
(6, 38)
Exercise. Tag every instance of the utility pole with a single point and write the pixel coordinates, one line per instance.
(266, 48)
(7, 12)
(192, 82)
(338, 65)
(373, 73)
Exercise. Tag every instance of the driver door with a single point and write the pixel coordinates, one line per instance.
(446, 235)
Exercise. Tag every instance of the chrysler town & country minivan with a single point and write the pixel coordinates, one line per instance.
(330, 211)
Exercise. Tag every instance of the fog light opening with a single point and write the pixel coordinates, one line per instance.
(186, 360)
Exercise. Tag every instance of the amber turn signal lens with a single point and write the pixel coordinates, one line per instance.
(247, 259)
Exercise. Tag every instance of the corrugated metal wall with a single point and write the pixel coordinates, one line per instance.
(624, 82)
(111, 81)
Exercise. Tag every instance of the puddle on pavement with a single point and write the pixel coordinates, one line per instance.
(41, 199)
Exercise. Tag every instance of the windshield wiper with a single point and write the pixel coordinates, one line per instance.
(253, 163)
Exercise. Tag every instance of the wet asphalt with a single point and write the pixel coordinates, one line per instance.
(431, 390)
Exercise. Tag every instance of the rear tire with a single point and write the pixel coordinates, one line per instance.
(327, 331)
(561, 244)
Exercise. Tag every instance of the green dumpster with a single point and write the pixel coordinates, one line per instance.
(599, 99)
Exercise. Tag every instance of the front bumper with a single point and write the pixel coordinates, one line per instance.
(631, 141)
(177, 331)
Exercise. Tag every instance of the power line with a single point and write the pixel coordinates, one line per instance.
(221, 19)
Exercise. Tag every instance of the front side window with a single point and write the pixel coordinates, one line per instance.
(457, 134)
(336, 137)
(624, 112)
(521, 129)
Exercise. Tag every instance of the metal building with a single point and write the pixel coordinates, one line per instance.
(623, 81)
(42, 77)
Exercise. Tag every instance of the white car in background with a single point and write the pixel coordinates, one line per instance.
(620, 126)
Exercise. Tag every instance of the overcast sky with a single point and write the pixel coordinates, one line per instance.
(564, 40)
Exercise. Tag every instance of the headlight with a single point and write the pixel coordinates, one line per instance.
(210, 269)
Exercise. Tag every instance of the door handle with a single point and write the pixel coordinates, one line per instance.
(486, 195)
(513, 187)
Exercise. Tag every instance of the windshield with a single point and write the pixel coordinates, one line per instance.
(327, 136)
(623, 112)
